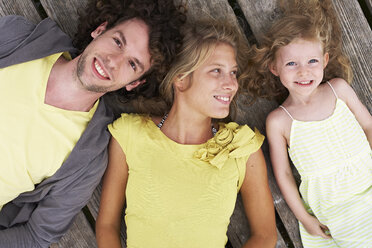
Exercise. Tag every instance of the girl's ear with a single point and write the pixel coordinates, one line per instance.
(272, 68)
(99, 30)
(325, 60)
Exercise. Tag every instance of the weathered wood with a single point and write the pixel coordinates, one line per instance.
(369, 5)
(198, 9)
(357, 42)
(24, 8)
(65, 13)
(80, 235)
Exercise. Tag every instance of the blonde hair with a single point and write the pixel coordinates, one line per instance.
(200, 39)
(305, 19)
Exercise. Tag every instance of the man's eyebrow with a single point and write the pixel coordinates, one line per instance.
(139, 63)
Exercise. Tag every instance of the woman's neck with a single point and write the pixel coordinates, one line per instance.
(187, 128)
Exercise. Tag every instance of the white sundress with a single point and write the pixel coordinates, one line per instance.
(334, 159)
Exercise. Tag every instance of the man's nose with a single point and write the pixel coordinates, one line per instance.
(114, 60)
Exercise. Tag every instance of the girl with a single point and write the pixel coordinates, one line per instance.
(325, 128)
(179, 173)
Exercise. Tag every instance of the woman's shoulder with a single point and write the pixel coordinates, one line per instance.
(129, 119)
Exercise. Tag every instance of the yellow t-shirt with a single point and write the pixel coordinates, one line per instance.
(35, 137)
(181, 195)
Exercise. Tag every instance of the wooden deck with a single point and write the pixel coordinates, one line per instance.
(256, 17)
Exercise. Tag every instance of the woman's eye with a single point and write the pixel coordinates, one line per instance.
(234, 73)
(216, 70)
(117, 41)
(291, 63)
(313, 61)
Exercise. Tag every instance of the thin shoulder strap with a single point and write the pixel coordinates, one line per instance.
(286, 112)
(334, 92)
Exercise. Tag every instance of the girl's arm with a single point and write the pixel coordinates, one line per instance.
(284, 176)
(347, 94)
(258, 203)
(112, 198)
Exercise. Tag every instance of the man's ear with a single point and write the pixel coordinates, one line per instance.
(134, 84)
(272, 68)
(99, 30)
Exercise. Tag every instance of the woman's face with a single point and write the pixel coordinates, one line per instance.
(211, 88)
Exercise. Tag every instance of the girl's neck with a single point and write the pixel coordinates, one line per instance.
(303, 100)
(187, 128)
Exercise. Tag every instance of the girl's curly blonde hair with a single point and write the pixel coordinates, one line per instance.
(305, 19)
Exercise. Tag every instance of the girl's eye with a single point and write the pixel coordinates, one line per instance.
(313, 61)
(234, 73)
(133, 65)
(117, 41)
(291, 64)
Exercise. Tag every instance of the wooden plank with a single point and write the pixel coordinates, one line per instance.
(80, 235)
(65, 13)
(369, 5)
(357, 37)
(197, 9)
(24, 8)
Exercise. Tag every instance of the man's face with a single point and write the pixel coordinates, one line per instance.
(115, 58)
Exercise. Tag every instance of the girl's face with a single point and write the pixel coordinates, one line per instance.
(210, 89)
(300, 65)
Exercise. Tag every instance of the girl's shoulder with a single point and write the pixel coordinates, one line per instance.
(279, 122)
(342, 88)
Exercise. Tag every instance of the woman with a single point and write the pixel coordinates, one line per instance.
(179, 174)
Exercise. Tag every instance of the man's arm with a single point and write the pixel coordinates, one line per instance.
(55, 212)
(41, 217)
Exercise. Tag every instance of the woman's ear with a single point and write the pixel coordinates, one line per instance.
(180, 83)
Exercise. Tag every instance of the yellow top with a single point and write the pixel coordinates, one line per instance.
(35, 137)
(181, 195)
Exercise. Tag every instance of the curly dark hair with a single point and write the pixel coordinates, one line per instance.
(164, 20)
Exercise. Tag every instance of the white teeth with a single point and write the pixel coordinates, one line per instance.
(99, 69)
(223, 98)
(305, 82)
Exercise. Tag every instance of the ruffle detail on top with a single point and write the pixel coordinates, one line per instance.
(231, 141)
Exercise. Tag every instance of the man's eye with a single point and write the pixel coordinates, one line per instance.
(313, 61)
(133, 65)
(118, 43)
(291, 63)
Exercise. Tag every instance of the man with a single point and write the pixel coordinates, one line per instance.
(53, 118)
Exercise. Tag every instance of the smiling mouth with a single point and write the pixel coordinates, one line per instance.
(224, 99)
(304, 82)
(100, 70)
